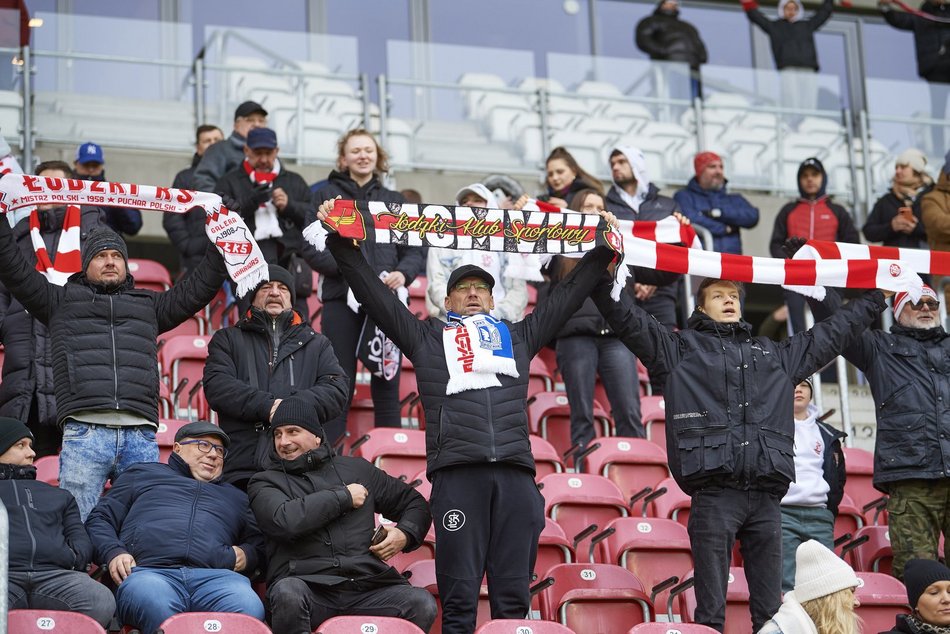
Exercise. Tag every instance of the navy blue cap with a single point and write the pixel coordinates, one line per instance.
(259, 138)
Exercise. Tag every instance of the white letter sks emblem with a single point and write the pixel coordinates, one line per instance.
(453, 520)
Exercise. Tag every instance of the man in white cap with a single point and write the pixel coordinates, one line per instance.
(895, 219)
(908, 371)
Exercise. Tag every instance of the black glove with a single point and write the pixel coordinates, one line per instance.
(262, 193)
(791, 246)
(230, 203)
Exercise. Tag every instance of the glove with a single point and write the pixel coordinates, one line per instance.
(791, 246)
(230, 203)
(262, 193)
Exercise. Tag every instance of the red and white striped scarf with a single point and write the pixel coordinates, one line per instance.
(68, 258)
(920, 260)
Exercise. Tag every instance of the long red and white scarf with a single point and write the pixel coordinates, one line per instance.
(68, 257)
(920, 260)
(226, 229)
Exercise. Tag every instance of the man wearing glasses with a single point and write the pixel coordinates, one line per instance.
(472, 371)
(908, 371)
(175, 538)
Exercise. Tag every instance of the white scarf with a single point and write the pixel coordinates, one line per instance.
(266, 224)
(477, 349)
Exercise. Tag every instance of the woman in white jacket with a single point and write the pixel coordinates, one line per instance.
(823, 600)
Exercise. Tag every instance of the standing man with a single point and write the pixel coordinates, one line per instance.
(271, 354)
(706, 203)
(730, 429)
(318, 512)
(90, 165)
(27, 391)
(666, 38)
(103, 334)
(478, 455)
(49, 547)
(273, 201)
(174, 538)
(908, 371)
(187, 231)
(221, 158)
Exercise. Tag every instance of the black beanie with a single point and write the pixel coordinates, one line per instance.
(101, 239)
(279, 274)
(12, 430)
(296, 411)
(920, 573)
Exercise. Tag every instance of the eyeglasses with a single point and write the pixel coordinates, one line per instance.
(929, 303)
(463, 287)
(205, 447)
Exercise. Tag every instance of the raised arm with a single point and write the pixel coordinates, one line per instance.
(821, 15)
(24, 282)
(751, 8)
(860, 352)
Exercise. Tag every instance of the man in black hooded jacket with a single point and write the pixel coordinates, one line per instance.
(317, 512)
(730, 427)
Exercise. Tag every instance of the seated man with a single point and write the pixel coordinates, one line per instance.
(318, 511)
(49, 547)
(175, 537)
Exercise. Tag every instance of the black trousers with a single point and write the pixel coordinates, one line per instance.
(487, 518)
(717, 517)
(342, 327)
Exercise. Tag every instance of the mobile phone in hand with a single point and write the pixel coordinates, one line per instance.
(378, 536)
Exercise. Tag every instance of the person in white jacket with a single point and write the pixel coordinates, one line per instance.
(823, 600)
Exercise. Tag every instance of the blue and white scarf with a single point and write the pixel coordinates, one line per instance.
(477, 349)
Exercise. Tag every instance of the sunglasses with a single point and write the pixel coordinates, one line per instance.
(462, 287)
(929, 303)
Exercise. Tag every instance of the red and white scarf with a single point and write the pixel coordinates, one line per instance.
(226, 230)
(266, 224)
(68, 258)
(920, 260)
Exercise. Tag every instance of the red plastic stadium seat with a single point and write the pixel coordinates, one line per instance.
(595, 599)
(223, 622)
(549, 416)
(874, 555)
(367, 625)
(630, 463)
(150, 274)
(540, 376)
(426, 550)
(47, 470)
(674, 504)
(738, 619)
(397, 451)
(554, 548)
(546, 458)
(653, 415)
(522, 626)
(578, 500)
(849, 518)
(653, 549)
(165, 436)
(422, 575)
(859, 465)
(184, 358)
(417, 297)
(882, 597)
(671, 628)
(43, 621)
(194, 326)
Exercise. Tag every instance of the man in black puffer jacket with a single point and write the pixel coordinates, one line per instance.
(730, 427)
(103, 333)
(477, 449)
(27, 392)
(49, 547)
(271, 354)
(664, 37)
(318, 512)
(175, 538)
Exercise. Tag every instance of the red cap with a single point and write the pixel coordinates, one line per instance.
(703, 159)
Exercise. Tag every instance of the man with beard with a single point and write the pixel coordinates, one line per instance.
(90, 165)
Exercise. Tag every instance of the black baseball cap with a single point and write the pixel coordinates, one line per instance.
(469, 270)
(262, 138)
(248, 108)
(202, 428)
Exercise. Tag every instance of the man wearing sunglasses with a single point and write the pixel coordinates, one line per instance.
(175, 538)
(908, 371)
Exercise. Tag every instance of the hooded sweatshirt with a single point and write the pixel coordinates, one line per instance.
(809, 487)
(812, 218)
(793, 42)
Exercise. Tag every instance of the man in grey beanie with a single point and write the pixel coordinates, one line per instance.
(270, 354)
(103, 334)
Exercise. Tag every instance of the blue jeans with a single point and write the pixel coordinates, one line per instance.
(94, 453)
(799, 524)
(580, 360)
(66, 590)
(150, 595)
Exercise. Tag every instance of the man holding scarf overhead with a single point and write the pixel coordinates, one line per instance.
(473, 376)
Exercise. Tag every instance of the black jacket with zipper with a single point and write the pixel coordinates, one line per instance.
(313, 532)
(736, 429)
(473, 426)
(833, 467)
(261, 359)
(104, 348)
(46, 532)
(793, 43)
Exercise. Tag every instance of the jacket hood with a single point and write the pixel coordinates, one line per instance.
(781, 10)
(303, 463)
(479, 190)
(638, 164)
(811, 412)
(694, 186)
(812, 162)
(257, 319)
(943, 182)
(17, 472)
(702, 322)
(344, 181)
(920, 334)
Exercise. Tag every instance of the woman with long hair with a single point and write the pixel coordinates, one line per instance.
(361, 162)
(564, 177)
(823, 600)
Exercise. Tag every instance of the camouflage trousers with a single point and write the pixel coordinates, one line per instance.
(918, 511)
